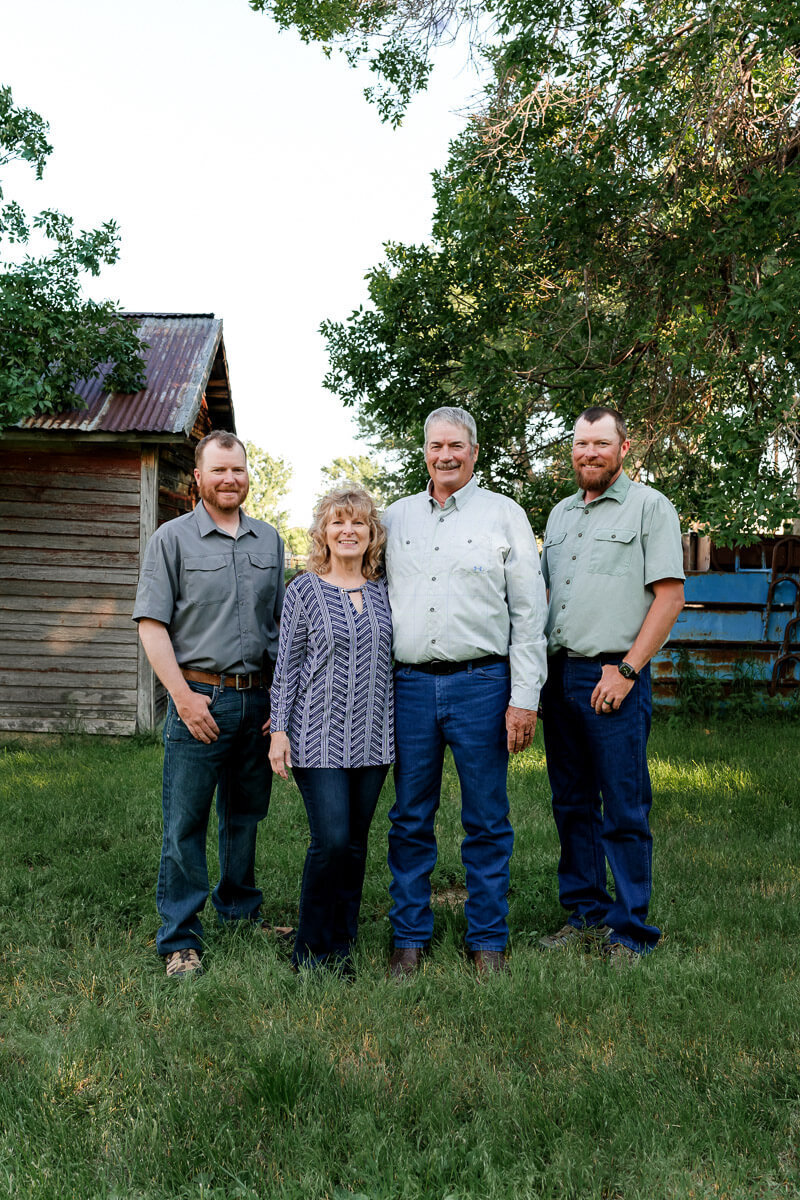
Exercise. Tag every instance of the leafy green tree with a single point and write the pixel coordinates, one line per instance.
(269, 483)
(366, 472)
(50, 336)
(396, 39)
(618, 225)
(297, 540)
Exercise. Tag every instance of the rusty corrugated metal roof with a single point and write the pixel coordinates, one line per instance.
(184, 349)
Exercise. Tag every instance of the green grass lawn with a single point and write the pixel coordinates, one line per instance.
(679, 1078)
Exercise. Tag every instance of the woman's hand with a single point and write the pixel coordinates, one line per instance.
(280, 754)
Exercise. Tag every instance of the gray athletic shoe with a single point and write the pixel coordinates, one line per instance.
(619, 956)
(571, 935)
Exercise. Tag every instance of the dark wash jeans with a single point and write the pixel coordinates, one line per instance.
(597, 766)
(465, 711)
(237, 765)
(340, 803)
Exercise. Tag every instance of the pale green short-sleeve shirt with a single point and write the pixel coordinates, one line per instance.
(600, 560)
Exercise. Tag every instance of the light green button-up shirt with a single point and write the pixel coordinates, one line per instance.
(465, 581)
(599, 562)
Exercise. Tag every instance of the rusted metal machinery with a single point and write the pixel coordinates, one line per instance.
(742, 615)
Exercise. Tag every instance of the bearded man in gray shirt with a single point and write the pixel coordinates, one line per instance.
(208, 605)
(468, 610)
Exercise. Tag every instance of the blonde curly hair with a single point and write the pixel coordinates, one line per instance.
(347, 502)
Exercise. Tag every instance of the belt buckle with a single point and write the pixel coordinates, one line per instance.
(246, 686)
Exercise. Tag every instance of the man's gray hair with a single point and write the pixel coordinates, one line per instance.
(453, 416)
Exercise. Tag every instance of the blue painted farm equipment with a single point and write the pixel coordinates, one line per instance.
(741, 615)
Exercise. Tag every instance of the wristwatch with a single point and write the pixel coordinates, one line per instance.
(627, 671)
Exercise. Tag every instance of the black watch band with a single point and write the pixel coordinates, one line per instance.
(627, 671)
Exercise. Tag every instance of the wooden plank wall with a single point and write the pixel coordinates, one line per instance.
(69, 562)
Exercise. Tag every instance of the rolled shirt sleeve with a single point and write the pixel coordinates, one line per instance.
(527, 609)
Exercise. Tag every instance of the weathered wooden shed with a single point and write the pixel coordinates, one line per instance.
(84, 491)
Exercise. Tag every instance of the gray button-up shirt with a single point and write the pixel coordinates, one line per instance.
(219, 596)
(464, 582)
(600, 560)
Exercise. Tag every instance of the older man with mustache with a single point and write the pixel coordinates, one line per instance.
(468, 608)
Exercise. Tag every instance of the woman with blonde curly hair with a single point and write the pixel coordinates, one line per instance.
(333, 715)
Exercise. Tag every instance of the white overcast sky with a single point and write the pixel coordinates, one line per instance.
(248, 174)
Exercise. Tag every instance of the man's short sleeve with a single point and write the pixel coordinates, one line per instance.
(158, 582)
(661, 540)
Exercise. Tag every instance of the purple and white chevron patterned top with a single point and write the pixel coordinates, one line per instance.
(333, 691)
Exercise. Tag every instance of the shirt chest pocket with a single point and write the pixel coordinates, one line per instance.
(476, 560)
(552, 549)
(264, 574)
(612, 551)
(403, 558)
(207, 579)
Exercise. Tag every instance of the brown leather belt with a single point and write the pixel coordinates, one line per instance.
(242, 683)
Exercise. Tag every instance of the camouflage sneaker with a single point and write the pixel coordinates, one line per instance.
(183, 962)
(571, 935)
(619, 956)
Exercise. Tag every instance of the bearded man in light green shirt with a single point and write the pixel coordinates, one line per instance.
(468, 609)
(613, 563)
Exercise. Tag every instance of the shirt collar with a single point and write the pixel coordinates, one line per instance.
(207, 524)
(618, 490)
(458, 499)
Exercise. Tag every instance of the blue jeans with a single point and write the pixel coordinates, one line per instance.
(340, 803)
(597, 766)
(465, 711)
(237, 765)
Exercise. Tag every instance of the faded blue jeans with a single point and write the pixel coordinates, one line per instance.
(465, 711)
(597, 766)
(237, 765)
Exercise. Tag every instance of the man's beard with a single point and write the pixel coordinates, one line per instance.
(594, 482)
(213, 497)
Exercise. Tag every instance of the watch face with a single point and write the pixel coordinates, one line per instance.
(627, 670)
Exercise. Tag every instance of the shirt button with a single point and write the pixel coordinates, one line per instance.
(433, 579)
(574, 557)
(436, 547)
(580, 535)
(568, 581)
(433, 641)
(558, 631)
(563, 606)
(431, 610)
(613, 536)
(440, 520)
(469, 541)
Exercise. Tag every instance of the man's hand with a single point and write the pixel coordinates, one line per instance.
(193, 711)
(611, 690)
(280, 754)
(520, 726)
